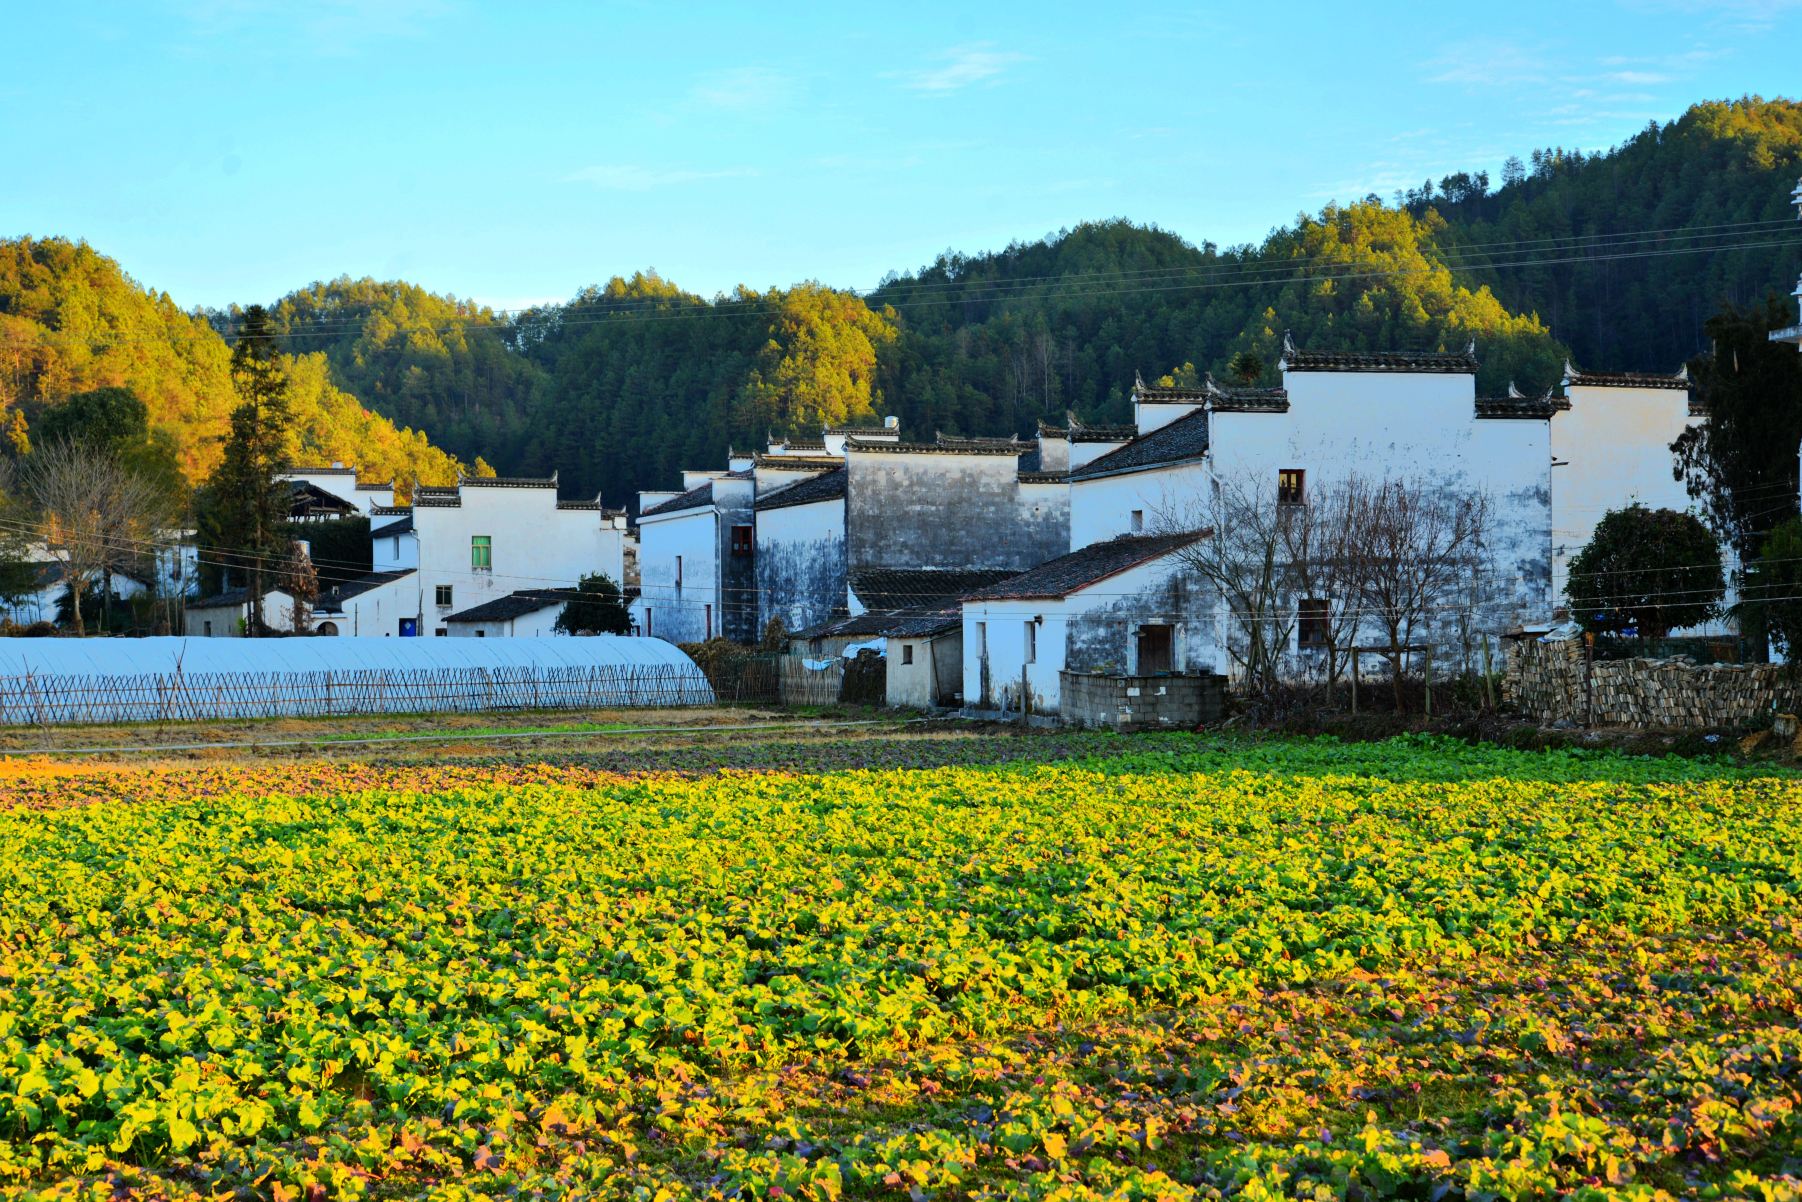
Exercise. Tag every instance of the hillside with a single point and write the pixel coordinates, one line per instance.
(635, 379)
(1615, 259)
(71, 319)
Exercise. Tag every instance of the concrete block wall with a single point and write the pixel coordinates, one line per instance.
(1140, 702)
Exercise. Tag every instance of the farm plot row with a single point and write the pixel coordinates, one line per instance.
(1149, 976)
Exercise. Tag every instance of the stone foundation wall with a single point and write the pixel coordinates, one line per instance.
(1140, 702)
(1550, 682)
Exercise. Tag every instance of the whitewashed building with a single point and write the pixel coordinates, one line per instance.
(1382, 416)
(340, 481)
(490, 537)
(696, 556)
(526, 614)
(1128, 606)
(382, 604)
(1611, 448)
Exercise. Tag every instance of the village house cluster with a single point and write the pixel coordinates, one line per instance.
(486, 557)
(991, 573)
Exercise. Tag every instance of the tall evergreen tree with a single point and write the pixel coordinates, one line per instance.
(246, 507)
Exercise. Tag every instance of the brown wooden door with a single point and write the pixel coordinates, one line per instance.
(1154, 650)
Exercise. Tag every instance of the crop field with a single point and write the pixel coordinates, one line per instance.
(1159, 967)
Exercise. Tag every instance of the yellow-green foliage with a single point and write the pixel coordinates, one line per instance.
(1415, 972)
(71, 320)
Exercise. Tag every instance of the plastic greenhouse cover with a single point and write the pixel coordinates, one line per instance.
(43, 658)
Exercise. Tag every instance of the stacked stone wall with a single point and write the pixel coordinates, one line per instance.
(1552, 681)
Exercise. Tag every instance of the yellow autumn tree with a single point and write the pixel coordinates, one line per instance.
(818, 364)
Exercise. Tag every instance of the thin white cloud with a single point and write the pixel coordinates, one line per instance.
(744, 89)
(1645, 78)
(962, 67)
(1487, 64)
(630, 177)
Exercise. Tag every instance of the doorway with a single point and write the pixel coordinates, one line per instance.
(1155, 643)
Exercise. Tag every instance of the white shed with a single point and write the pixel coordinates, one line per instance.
(1128, 606)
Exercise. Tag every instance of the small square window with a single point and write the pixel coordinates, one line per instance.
(481, 552)
(444, 596)
(907, 653)
(741, 540)
(441, 632)
(1138, 521)
(1291, 486)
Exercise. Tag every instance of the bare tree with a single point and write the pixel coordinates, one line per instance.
(1320, 557)
(1412, 549)
(95, 515)
(299, 580)
(1244, 560)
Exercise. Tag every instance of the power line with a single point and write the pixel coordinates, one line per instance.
(1205, 277)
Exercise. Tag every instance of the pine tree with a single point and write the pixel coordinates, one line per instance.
(247, 505)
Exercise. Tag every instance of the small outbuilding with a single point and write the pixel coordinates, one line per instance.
(1129, 606)
(526, 614)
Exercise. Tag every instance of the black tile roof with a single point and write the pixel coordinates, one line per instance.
(958, 446)
(960, 442)
(399, 526)
(1453, 362)
(333, 596)
(889, 430)
(694, 498)
(797, 463)
(309, 500)
(435, 496)
(1183, 439)
(915, 622)
(549, 481)
(901, 588)
(827, 486)
(1147, 395)
(1223, 399)
(1516, 406)
(219, 600)
(1076, 571)
(513, 605)
(1625, 379)
(1102, 433)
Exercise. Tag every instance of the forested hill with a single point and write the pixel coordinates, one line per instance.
(1615, 259)
(72, 320)
(636, 379)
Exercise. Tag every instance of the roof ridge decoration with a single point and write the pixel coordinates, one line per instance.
(940, 438)
(1246, 399)
(1625, 379)
(1462, 362)
(507, 481)
(934, 448)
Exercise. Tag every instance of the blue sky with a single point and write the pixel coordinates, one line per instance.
(231, 150)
